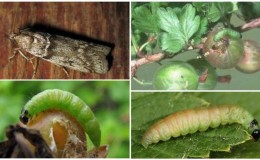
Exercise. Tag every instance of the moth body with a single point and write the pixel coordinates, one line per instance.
(64, 51)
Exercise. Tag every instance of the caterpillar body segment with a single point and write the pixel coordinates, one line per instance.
(199, 119)
(67, 102)
(226, 32)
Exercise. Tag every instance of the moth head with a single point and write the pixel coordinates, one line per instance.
(24, 41)
(256, 134)
(24, 117)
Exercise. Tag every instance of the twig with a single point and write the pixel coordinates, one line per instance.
(135, 64)
(203, 77)
(140, 54)
(142, 82)
(255, 23)
(224, 79)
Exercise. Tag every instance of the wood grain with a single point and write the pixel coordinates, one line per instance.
(107, 22)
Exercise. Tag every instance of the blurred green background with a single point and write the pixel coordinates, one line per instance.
(109, 100)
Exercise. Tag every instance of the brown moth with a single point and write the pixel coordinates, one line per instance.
(63, 51)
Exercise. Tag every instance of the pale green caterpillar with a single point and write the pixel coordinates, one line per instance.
(67, 102)
(226, 32)
(199, 119)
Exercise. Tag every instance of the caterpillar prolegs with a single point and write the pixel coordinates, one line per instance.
(66, 102)
(199, 119)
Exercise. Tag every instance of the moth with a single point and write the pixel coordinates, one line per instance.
(226, 32)
(66, 102)
(199, 119)
(63, 51)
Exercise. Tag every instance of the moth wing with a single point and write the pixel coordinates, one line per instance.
(78, 55)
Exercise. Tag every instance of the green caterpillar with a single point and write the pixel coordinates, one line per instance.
(67, 102)
(199, 119)
(226, 32)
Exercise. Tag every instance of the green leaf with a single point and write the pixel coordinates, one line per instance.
(249, 10)
(149, 108)
(145, 19)
(202, 30)
(168, 20)
(133, 52)
(158, 105)
(200, 6)
(179, 26)
(171, 42)
(189, 22)
(219, 10)
(214, 13)
(246, 100)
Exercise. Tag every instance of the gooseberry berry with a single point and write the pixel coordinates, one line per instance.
(176, 75)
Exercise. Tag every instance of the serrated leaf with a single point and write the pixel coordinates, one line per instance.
(149, 108)
(168, 20)
(189, 22)
(179, 25)
(200, 6)
(171, 42)
(246, 100)
(214, 13)
(219, 10)
(144, 19)
(244, 150)
(203, 26)
(202, 30)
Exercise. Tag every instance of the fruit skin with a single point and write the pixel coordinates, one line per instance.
(62, 132)
(250, 62)
(201, 65)
(176, 75)
(225, 53)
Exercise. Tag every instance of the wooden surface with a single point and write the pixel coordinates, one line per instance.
(103, 21)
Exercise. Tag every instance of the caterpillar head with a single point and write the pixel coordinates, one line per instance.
(24, 117)
(256, 134)
(254, 123)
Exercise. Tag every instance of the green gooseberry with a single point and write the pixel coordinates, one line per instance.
(176, 75)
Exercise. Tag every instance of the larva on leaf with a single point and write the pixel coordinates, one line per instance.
(67, 102)
(199, 119)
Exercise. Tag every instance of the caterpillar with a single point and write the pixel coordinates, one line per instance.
(66, 102)
(226, 32)
(199, 119)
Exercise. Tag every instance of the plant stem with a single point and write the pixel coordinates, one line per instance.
(135, 64)
(224, 79)
(142, 82)
(255, 23)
